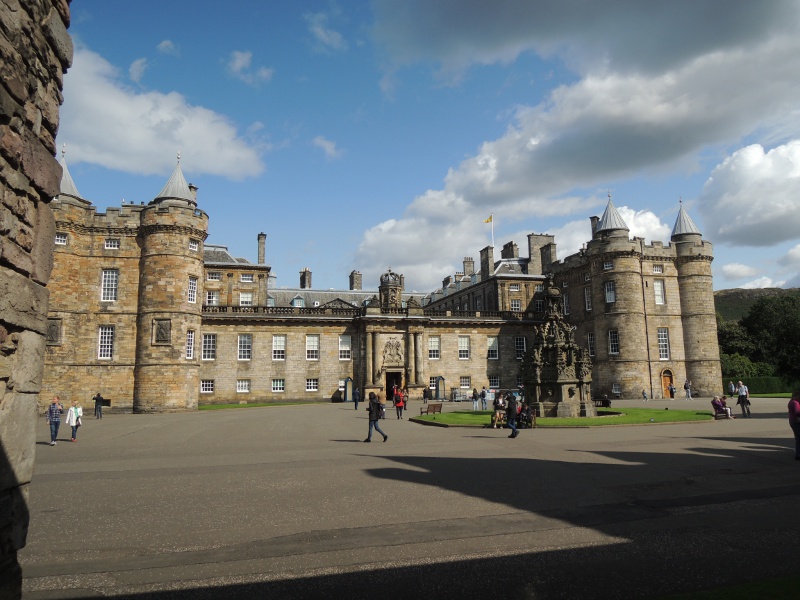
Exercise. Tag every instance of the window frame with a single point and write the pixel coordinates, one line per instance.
(587, 298)
(434, 353)
(214, 276)
(659, 292)
(278, 385)
(207, 386)
(194, 245)
(243, 386)
(590, 343)
(663, 343)
(613, 342)
(111, 244)
(520, 346)
(279, 350)
(61, 239)
(312, 384)
(463, 347)
(189, 348)
(516, 305)
(346, 348)
(191, 291)
(610, 291)
(245, 298)
(212, 297)
(247, 278)
(465, 382)
(492, 347)
(312, 352)
(244, 346)
(209, 346)
(109, 285)
(494, 381)
(106, 336)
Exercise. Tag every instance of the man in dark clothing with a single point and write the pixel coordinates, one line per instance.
(511, 415)
(98, 406)
(356, 397)
(375, 411)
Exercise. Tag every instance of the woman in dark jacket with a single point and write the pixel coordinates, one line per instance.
(374, 409)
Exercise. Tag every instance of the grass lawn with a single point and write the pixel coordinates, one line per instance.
(774, 395)
(628, 416)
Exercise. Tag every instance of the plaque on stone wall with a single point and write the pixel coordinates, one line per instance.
(162, 331)
(53, 335)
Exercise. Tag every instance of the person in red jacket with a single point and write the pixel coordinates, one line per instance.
(794, 421)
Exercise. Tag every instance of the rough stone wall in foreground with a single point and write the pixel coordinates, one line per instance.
(35, 50)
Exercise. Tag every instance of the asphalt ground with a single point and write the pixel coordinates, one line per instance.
(288, 502)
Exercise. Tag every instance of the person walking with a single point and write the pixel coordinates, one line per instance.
(731, 388)
(744, 399)
(475, 399)
(73, 419)
(399, 403)
(671, 389)
(98, 406)
(375, 411)
(53, 417)
(356, 397)
(483, 398)
(687, 385)
(511, 415)
(794, 421)
(644, 395)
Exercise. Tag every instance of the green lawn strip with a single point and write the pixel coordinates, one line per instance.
(249, 405)
(784, 588)
(774, 395)
(628, 416)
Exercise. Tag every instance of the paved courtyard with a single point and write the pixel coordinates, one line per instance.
(288, 502)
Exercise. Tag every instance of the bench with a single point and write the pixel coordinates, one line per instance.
(720, 413)
(431, 408)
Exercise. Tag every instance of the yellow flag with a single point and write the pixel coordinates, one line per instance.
(489, 220)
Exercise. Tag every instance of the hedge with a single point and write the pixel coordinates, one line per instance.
(760, 385)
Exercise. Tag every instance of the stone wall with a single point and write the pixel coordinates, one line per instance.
(35, 50)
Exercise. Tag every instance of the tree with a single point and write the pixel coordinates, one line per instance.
(773, 324)
(733, 338)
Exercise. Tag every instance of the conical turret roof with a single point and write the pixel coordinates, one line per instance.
(67, 184)
(684, 224)
(611, 220)
(176, 187)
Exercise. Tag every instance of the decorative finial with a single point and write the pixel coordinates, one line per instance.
(63, 150)
(179, 156)
(609, 195)
(680, 199)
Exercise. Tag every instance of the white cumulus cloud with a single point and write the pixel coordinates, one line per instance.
(104, 122)
(327, 39)
(738, 271)
(240, 65)
(328, 147)
(137, 69)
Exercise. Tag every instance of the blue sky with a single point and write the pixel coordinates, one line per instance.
(374, 134)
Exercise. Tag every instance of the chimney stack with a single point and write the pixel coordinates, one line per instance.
(262, 238)
(355, 280)
(305, 279)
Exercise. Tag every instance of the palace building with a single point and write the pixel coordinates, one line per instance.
(143, 311)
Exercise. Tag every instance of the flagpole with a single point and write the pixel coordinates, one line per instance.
(492, 216)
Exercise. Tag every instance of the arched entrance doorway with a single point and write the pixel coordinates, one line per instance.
(666, 381)
(393, 378)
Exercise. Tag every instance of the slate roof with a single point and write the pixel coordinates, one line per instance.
(219, 255)
(684, 224)
(611, 220)
(176, 187)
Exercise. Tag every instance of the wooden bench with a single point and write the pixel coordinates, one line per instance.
(430, 408)
(720, 413)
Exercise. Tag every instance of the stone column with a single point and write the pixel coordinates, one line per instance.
(375, 357)
(262, 290)
(368, 378)
(418, 368)
(410, 355)
(36, 51)
(229, 301)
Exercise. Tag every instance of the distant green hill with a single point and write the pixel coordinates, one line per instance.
(734, 304)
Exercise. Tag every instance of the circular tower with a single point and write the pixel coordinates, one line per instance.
(693, 262)
(171, 235)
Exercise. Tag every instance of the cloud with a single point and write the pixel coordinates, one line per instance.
(761, 283)
(137, 69)
(327, 39)
(791, 258)
(108, 124)
(328, 147)
(750, 199)
(738, 271)
(240, 66)
(168, 47)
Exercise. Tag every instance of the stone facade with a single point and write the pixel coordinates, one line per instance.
(35, 50)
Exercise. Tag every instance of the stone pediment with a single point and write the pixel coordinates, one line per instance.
(339, 303)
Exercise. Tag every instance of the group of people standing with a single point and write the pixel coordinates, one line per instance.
(74, 416)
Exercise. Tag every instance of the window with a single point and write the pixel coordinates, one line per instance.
(613, 341)
(658, 290)
(514, 287)
(191, 296)
(565, 307)
(608, 265)
(242, 386)
(190, 344)
(663, 343)
(432, 382)
(214, 276)
(212, 298)
(587, 298)
(590, 342)
(110, 285)
(434, 342)
(465, 381)
(105, 346)
(616, 389)
(494, 381)
(194, 245)
(245, 298)
(312, 347)
(61, 239)
(312, 385)
(298, 302)
(278, 385)
(278, 347)
(209, 346)
(247, 278)
(463, 347)
(206, 386)
(519, 347)
(539, 288)
(344, 347)
(516, 305)
(341, 385)
(245, 346)
(270, 301)
(53, 332)
(519, 380)
(538, 306)
(658, 268)
(610, 291)
(493, 352)
(112, 244)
